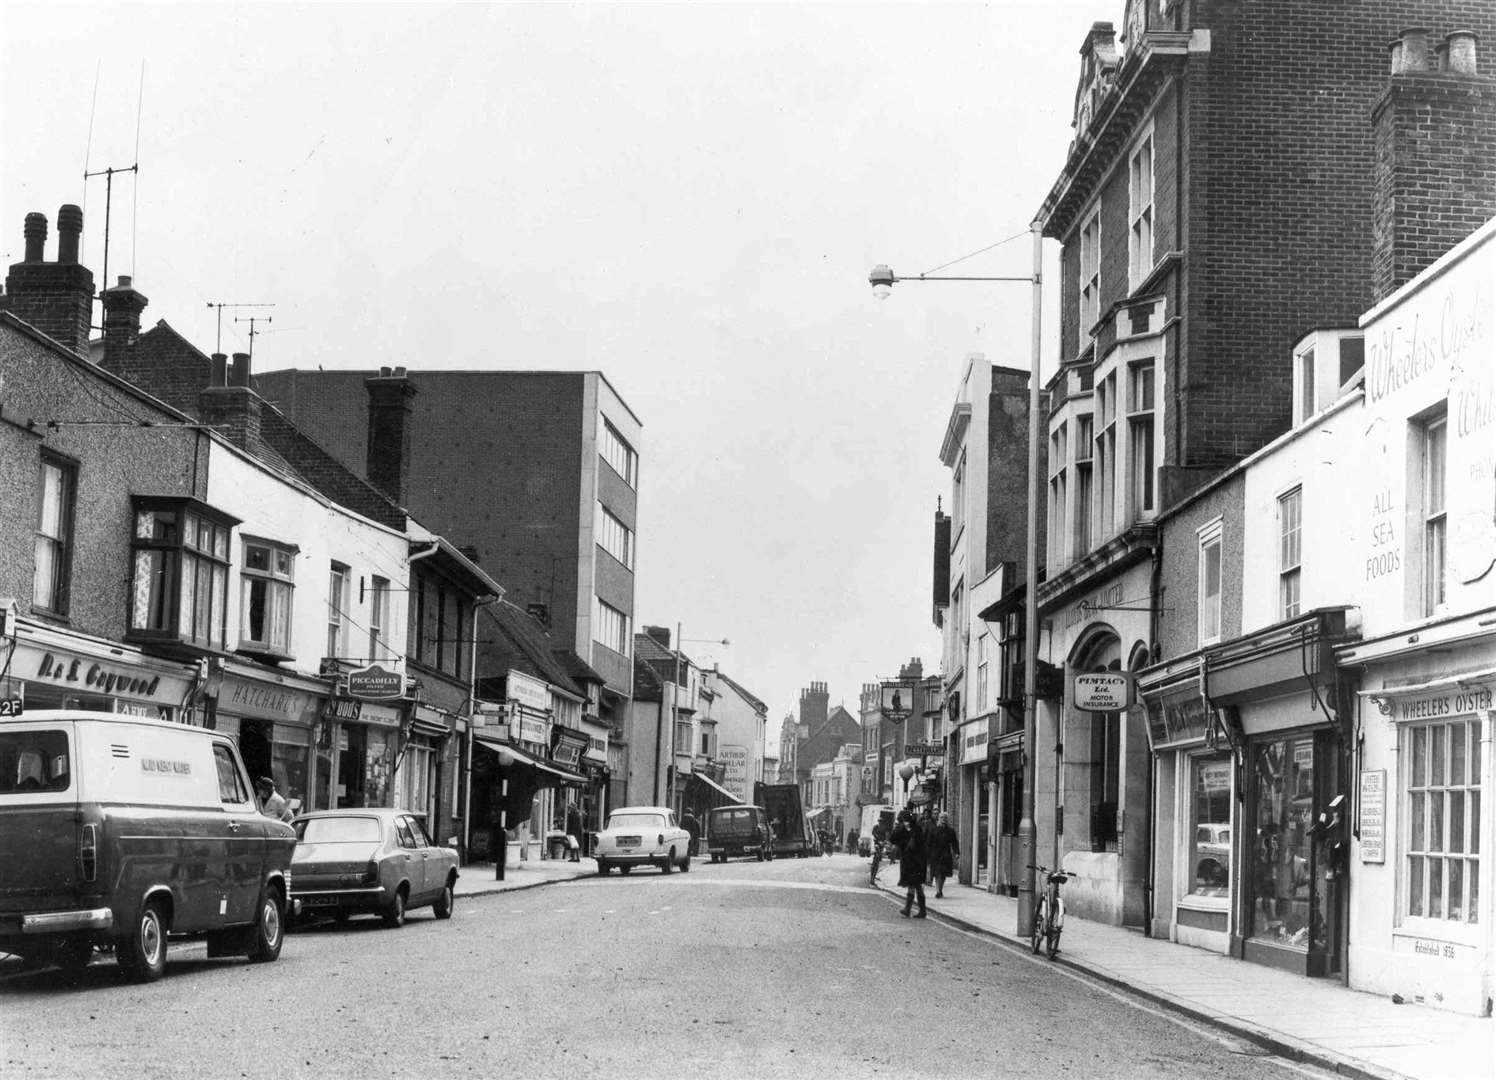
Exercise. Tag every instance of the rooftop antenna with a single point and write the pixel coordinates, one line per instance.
(108, 174)
(252, 319)
(218, 346)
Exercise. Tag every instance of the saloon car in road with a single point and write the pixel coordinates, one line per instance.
(370, 860)
(642, 836)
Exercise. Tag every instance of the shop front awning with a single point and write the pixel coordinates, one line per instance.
(709, 782)
(525, 758)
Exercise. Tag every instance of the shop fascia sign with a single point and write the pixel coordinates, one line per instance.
(527, 691)
(1101, 691)
(924, 749)
(375, 683)
(493, 718)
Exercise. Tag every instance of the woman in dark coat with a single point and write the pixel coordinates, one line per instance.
(909, 838)
(945, 849)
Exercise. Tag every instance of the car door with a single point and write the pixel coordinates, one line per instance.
(413, 858)
(433, 872)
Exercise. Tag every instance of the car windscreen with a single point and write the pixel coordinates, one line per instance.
(339, 830)
(33, 761)
(636, 821)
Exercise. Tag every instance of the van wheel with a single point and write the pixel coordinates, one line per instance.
(394, 915)
(442, 909)
(269, 932)
(143, 953)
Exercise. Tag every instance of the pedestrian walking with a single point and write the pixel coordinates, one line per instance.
(909, 838)
(945, 849)
(880, 838)
(574, 832)
(272, 804)
(693, 829)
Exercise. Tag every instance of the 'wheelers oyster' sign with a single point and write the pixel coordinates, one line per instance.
(375, 683)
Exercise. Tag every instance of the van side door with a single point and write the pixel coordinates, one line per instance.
(243, 828)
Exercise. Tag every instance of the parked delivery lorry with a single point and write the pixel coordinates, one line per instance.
(792, 832)
(121, 831)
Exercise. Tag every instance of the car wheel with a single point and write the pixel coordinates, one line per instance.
(603, 867)
(442, 909)
(72, 954)
(270, 929)
(685, 864)
(143, 952)
(625, 869)
(394, 915)
(341, 916)
(669, 863)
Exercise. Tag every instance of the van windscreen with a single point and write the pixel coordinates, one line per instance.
(33, 761)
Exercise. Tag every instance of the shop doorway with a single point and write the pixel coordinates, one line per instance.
(353, 750)
(256, 750)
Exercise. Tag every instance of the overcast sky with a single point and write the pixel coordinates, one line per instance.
(687, 197)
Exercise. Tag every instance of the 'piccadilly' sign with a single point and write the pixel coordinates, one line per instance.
(375, 683)
(1102, 691)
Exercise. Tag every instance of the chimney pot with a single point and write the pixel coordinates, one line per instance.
(1459, 47)
(399, 373)
(1412, 55)
(384, 373)
(35, 232)
(218, 370)
(69, 228)
(124, 281)
(239, 372)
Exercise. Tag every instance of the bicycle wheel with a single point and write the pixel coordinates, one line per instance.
(1039, 921)
(1053, 942)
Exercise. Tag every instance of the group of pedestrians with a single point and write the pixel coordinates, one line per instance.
(927, 849)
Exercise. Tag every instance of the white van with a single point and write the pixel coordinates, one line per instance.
(870, 818)
(122, 830)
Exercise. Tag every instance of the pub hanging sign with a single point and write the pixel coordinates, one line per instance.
(374, 683)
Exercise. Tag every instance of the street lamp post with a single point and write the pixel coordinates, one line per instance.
(883, 280)
(666, 763)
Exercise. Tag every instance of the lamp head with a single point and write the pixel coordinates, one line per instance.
(906, 770)
(506, 759)
(882, 279)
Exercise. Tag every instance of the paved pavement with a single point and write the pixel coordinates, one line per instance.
(1310, 1020)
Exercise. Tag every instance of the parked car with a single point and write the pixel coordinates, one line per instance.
(738, 830)
(370, 860)
(642, 836)
(124, 831)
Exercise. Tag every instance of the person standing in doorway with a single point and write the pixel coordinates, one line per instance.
(945, 849)
(693, 829)
(272, 804)
(909, 838)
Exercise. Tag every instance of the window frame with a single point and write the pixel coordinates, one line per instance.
(1142, 465)
(1140, 216)
(1106, 454)
(379, 618)
(1435, 793)
(618, 453)
(1290, 552)
(1210, 536)
(180, 552)
(1088, 291)
(275, 582)
(1058, 483)
(606, 617)
(1433, 465)
(339, 580)
(614, 537)
(59, 543)
(1083, 483)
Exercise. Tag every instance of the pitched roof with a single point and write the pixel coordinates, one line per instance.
(532, 650)
(579, 669)
(742, 691)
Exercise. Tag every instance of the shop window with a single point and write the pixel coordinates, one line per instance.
(179, 575)
(267, 579)
(1283, 809)
(54, 535)
(1209, 604)
(1443, 820)
(1290, 552)
(1210, 827)
(413, 778)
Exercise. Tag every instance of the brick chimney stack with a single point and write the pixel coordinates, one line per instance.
(56, 298)
(387, 458)
(122, 308)
(1434, 178)
(235, 409)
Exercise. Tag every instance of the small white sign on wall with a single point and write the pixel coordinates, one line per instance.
(1373, 815)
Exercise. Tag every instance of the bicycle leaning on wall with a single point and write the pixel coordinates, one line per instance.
(1049, 918)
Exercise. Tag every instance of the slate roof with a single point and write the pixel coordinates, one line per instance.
(532, 650)
(742, 691)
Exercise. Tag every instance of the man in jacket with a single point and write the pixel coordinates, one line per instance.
(272, 805)
(909, 838)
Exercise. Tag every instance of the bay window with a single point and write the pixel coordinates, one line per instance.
(179, 572)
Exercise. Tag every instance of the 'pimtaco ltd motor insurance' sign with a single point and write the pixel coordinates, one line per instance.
(1102, 691)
